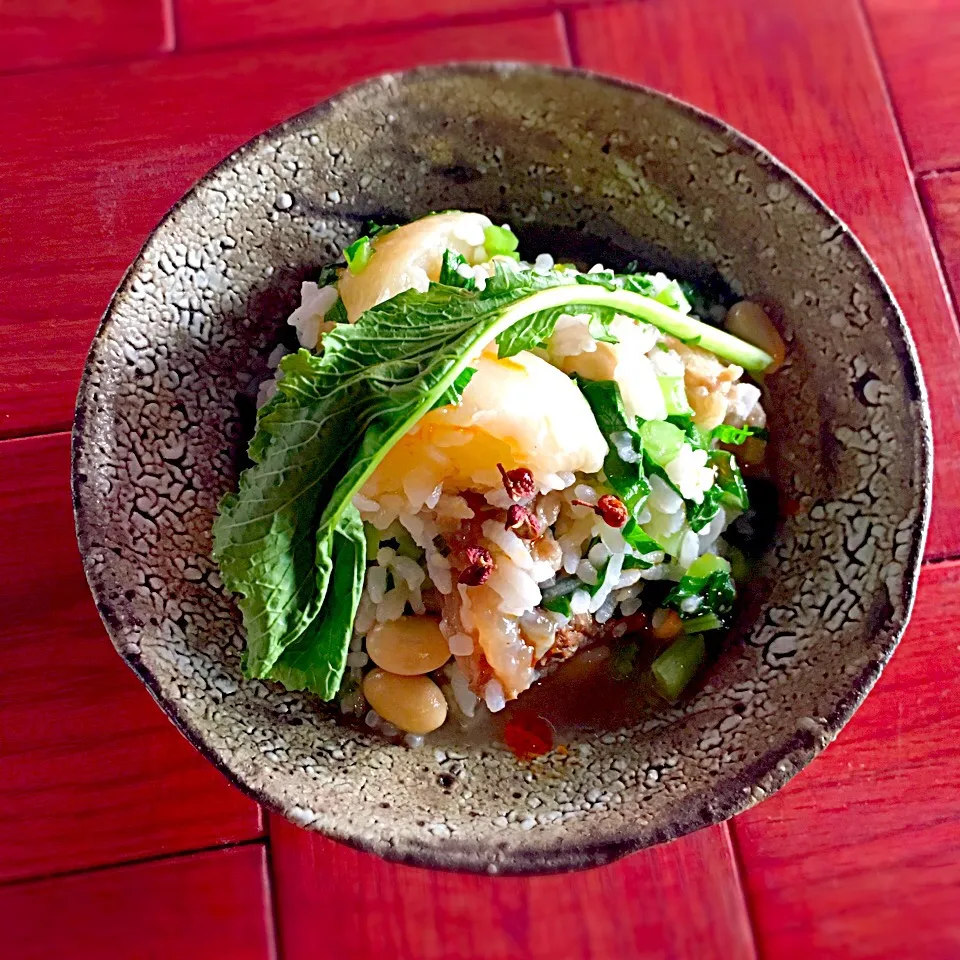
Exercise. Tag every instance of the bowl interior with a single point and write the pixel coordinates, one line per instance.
(577, 164)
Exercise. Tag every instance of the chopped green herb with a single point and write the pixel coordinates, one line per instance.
(373, 229)
(499, 241)
(674, 395)
(734, 436)
(661, 441)
(358, 255)
(708, 581)
(703, 624)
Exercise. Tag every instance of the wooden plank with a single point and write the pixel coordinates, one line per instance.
(858, 856)
(802, 80)
(210, 23)
(44, 33)
(91, 772)
(941, 196)
(919, 46)
(682, 900)
(94, 180)
(191, 908)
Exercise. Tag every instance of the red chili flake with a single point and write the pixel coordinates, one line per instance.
(609, 508)
(518, 483)
(479, 567)
(528, 735)
(522, 522)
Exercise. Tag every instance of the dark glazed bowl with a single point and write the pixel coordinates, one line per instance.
(164, 413)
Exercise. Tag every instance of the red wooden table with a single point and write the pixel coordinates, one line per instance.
(116, 839)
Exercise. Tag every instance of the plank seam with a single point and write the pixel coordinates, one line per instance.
(430, 21)
(272, 891)
(740, 868)
(171, 25)
(570, 37)
(135, 862)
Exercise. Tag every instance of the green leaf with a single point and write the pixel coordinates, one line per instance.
(599, 325)
(316, 661)
(697, 438)
(642, 543)
(725, 433)
(454, 393)
(700, 514)
(626, 479)
(708, 580)
(729, 479)
(449, 273)
(330, 273)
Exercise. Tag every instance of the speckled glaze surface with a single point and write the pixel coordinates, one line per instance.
(160, 430)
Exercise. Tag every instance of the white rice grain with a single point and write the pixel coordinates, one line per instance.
(610, 578)
(598, 555)
(376, 583)
(690, 604)
(585, 493)
(629, 607)
(465, 698)
(628, 578)
(624, 444)
(662, 496)
(438, 569)
(393, 602)
(689, 473)
(587, 573)
(689, 549)
(409, 570)
(461, 644)
(493, 696)
(579, 602)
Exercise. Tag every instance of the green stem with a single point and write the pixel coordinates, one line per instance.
(678, 665)
(664, 318)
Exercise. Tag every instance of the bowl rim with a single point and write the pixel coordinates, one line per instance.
(727, 796)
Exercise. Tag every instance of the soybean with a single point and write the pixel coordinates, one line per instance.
(413, 704)
(408, 646)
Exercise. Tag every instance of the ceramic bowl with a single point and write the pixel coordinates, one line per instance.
(571, 160)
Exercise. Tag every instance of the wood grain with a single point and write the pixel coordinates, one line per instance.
(94, 180)
(803, 81)
(205, 907)
(857, 857)
(680, 901)
(209, 23)
(941, 196)
(43, 33)
(919, 46)
(91, 772)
